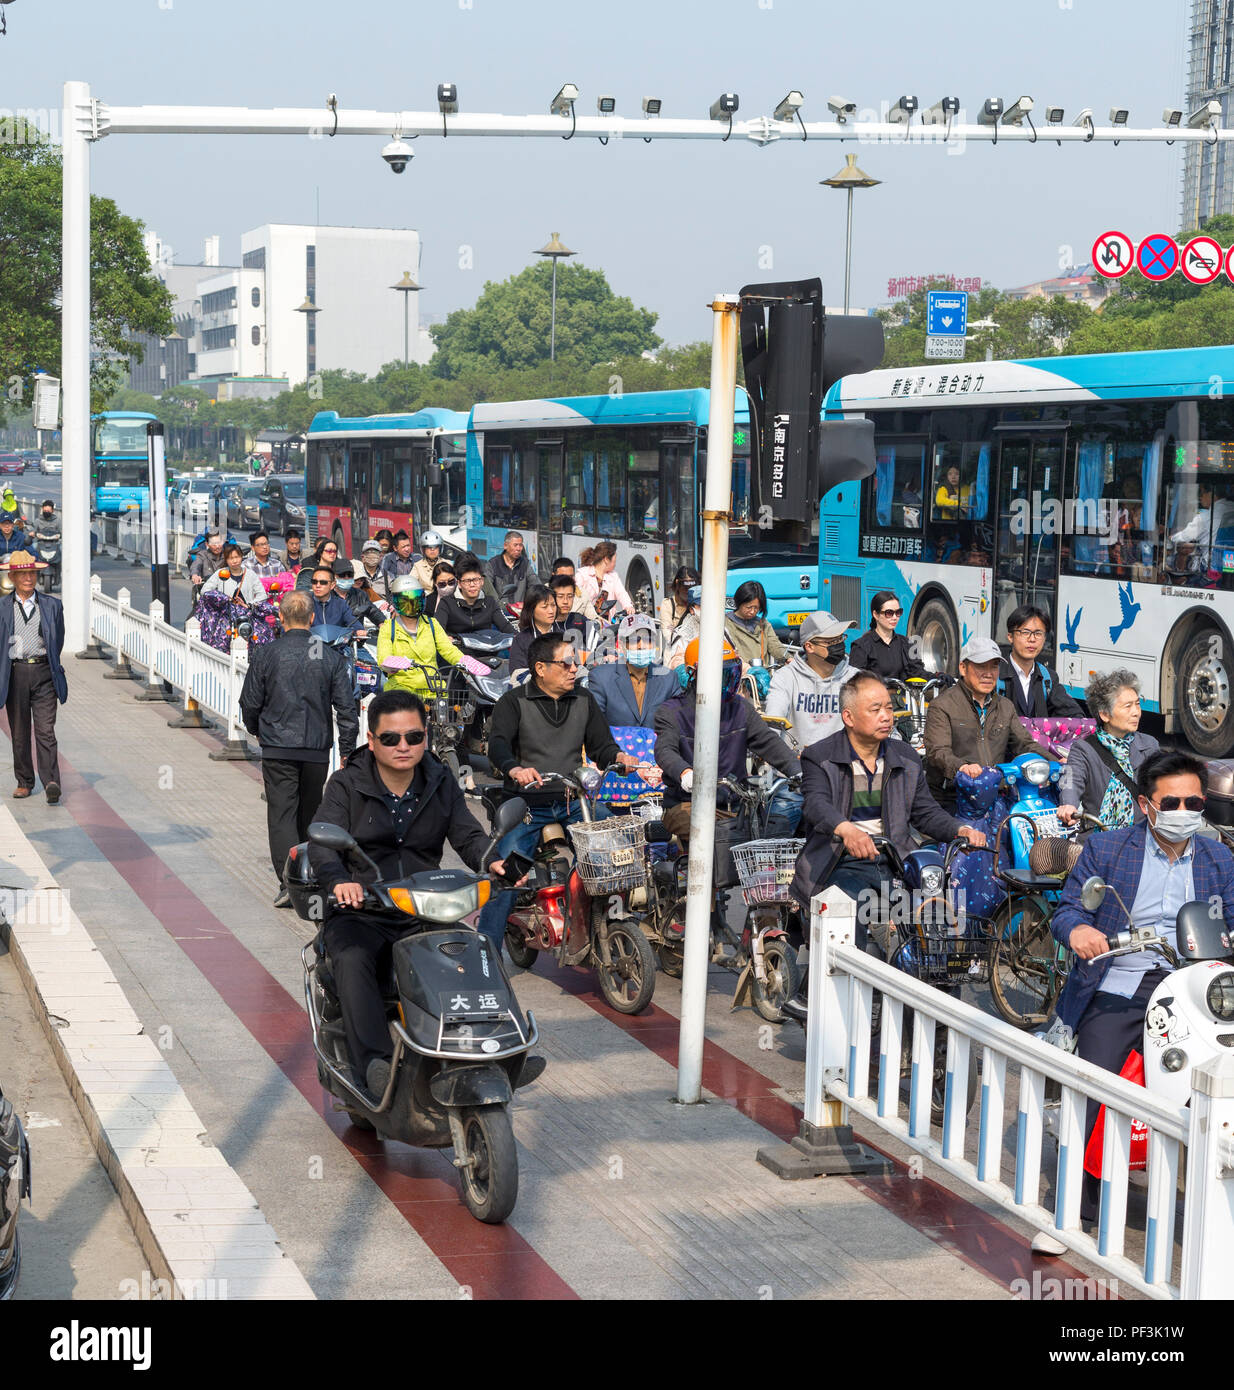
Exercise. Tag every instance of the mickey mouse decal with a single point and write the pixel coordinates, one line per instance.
(1163, 1025)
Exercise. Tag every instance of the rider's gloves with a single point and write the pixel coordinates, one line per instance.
(476, 668)
(687, 779)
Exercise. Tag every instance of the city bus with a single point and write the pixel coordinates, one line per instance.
(119, 478)
(1099, 488)
(628, 469)
(405, 472)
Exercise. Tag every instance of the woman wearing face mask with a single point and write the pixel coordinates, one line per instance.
(631, 689)
(1100, 772)
(883, 650)
(356, 594)
(747, 628)
(445, 585)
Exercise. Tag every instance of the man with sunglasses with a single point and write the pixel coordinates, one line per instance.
(1032, 687)
(330, 608)
(545, 725)
(291, 687)
(1154, 867)
(402, 805)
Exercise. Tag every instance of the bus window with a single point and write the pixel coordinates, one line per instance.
(510, 479)
(578, 516)
(895, 500)
(551, 495)
(644, 482)
(611, 463)
(328, 474)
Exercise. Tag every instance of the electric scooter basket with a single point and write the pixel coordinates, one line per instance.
(610, 855)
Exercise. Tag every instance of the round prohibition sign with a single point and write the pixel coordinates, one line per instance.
(1113, 255)
(1229, 263)
(1157, 256)
(1202, 260)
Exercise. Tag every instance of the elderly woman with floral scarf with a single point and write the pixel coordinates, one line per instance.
(1099, 776)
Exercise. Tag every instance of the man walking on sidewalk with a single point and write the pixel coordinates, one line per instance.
(31, 677)
(289, 690)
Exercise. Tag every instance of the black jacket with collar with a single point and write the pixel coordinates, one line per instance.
(1057, 703)
(355, 798)
(286, 700)
(482, 616)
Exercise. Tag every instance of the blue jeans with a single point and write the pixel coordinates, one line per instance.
(783, 815)
(524, 838)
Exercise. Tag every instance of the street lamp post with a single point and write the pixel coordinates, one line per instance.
(556, 249)
(406, 286)
(850, 177)
(310, 311)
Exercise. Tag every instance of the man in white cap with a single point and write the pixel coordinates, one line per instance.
(631, 689)
(970, 726)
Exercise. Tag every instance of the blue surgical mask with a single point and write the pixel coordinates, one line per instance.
(343, 584)
(640, 656)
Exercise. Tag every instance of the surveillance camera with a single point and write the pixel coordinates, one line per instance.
(1119, 115)
(1054, 115)
(902, 110)
(941, 112)
(841, 109)
(724, 105)
(1205, 115)
(1171, 116)
(789, 107)
(1017, 111)
(398, 154)
(991, 110)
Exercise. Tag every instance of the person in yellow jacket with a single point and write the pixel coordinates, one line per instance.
(410, 640)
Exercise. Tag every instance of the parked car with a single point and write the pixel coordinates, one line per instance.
(51, 463)
(244, 505)
(12, 463)
(283, 503)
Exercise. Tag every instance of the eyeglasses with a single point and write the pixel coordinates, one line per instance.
(569, 661)
(390, 738)
(1175, 803)
(321, 583)
(891, 612)
(1035, 634)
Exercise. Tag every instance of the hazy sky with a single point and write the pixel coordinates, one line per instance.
(670, 223)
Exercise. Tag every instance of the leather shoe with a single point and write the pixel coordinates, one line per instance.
(53, 793)
(282, 898)
(377, 1077)
(19, 792)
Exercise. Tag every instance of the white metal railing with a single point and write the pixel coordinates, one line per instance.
(838, 1051)
(195, 671)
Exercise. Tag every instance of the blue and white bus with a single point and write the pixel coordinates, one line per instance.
(629, 469)
(119, 478)
(1100, 488)
(404, 472)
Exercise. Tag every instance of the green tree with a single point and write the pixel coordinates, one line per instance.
(510, 325)
(126, 298)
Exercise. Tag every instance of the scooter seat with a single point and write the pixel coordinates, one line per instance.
(1029, 882)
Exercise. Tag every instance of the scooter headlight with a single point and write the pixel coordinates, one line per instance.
(442, 907)
(1037, 772)
(1220, 996)
(932, 880)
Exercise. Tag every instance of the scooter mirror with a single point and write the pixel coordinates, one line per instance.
(509, 814)
(332, 837)
(1092, 895)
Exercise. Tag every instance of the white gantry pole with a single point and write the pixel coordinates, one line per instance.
(717, 491)
(75, 364)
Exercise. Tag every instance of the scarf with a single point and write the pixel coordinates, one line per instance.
(1117, 808)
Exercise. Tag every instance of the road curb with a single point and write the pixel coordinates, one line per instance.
(198, 1225)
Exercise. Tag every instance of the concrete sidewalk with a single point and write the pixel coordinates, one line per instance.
(623, 1194)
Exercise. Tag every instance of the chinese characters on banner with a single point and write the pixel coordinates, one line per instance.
(900, 285)
(902, 546)
(946, 384)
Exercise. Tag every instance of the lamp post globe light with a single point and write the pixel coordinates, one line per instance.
(556, 249)
(310, 312)
(406, 286)
(850, 178)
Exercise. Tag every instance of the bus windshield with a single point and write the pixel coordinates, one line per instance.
(120, 437)
(122, 473)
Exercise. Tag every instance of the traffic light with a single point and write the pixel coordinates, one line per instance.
(792, 353)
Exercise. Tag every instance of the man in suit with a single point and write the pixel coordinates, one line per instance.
(1031, 686)
(1154, 867)
(32, 679)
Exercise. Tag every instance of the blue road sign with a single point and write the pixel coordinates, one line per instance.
(946, 314)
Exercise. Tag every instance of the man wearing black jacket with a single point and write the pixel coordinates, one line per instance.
(1031, 686)
(291, 686)
(402, 805)
(544, 726)
(468, 609)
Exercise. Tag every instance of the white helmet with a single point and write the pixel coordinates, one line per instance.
(430, 539)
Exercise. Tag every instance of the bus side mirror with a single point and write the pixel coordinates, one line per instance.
(845, 453)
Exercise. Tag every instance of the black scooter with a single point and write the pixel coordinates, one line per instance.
(460, 1038)
(14, 1185)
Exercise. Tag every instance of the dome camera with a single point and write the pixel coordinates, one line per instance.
(398, 155)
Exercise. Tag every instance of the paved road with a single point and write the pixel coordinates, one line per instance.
(76, 1239)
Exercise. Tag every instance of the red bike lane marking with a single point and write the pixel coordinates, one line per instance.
(494, 1262)
(967, 1231)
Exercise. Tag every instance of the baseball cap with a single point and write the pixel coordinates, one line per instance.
(343, 567)
(636, 622)
(823, 625)
(980, 650)
(370, 545)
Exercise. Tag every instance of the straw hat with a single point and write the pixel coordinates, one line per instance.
(22, 560)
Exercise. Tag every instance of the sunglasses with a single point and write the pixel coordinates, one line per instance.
(891, 612)
(444, 585)
(570, 661)
(389, 738)
(1177, 803)
(321, 583)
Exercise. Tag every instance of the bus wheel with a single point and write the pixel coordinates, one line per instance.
(337, 538)
(940, 642)
(1206, 699)
(638, 585)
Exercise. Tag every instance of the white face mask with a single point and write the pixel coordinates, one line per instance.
(1177, 826)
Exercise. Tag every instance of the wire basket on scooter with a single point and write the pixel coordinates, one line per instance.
(765, 869)
(610, 854)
